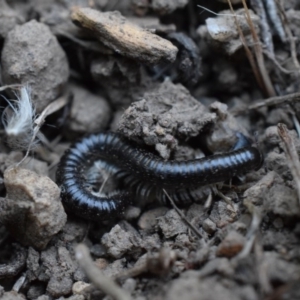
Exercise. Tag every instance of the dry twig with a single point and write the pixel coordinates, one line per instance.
(158, 263)
(252, 233)
(291, 38)
(107, 285)
(262, 269)
(291, 155)
(247, 50)
(275, 19)
(290, 98)
(264, 25)
(180, 213)
(259, 55)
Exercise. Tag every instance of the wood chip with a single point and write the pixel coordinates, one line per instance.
(124, 37)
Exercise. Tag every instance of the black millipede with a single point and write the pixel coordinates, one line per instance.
(139, 167)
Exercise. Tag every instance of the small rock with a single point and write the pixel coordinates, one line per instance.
(124, 37)
(282, 201)
(277, 162)
(231, 245)
(224, 134)
(167, 6)
(97, 250)
(171, 224)
(33, 265)
(31, 55)
(89, 112)
(279, 270)
(12, 296)
(35, 290)
(132, 213)
(79, 286)
(173, 109)
(278, 223)
(209, 226)
(33, 213)
(222, 213)
(223, 32)
(9, 18)
(149, 219)
(44, 297)
(60, 268)
(151, 242)
(101, 263)
(129, 285)
(190, 286)
(256, 194)
(115, 268)
(118, 241)
(122, 79)
(218, 265)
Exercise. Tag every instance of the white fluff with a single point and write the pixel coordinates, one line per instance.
(18, 120)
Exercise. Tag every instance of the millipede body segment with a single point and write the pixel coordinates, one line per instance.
(139, 168)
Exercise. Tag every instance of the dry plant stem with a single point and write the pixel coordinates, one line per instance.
(133, 272)
(262, 269)
(296, 123)
(259, 55)
(275, 19)
(107, 285)
(264, 25)
(247, 50)
(291, 155)
(252, 233)
(19, 283)
(276, 101)
(180, 213)
(291, 38)
(277, 64)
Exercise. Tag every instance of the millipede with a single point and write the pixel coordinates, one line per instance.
(143, 171)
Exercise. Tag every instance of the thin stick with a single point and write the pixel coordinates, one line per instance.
(276, 101)
(247, 50)
(252, 233)
(180, 213)
(291, 155)
(259, 55)
(107, 285)
(277, 64)
(259, 8)
(291, 38)
(296, 123)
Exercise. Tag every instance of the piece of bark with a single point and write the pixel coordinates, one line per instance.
(124, 37)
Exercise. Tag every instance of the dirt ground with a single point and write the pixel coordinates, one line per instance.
(184, 79)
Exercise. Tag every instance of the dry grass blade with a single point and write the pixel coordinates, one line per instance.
(252, 232)
(276, 101)
(259, 8)
(259, 55)
(291, 155)
(291, 38)
(107, 285)
(247, 50)
(180, 213)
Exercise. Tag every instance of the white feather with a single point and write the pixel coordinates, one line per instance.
(18, 120)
